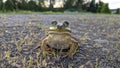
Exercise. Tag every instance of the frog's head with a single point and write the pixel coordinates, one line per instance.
(60, 27)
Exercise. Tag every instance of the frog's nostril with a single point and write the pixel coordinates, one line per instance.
(59, 27)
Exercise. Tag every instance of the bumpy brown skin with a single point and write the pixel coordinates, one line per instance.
(60, 40)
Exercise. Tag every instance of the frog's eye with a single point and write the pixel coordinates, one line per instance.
(54, 23)
(65, 24)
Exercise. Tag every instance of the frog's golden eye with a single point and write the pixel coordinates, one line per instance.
(65, 24)
(54, 23)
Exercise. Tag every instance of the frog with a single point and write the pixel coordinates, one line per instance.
(59, 41)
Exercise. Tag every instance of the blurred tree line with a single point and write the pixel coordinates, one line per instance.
(39, 5)
(118, 11)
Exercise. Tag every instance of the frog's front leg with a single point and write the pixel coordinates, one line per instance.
(45, 48)
(73, 49)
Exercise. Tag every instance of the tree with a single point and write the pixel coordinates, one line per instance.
(100, 4)
(23, 5)
(52, 2)
(78, 4)
(15, 3)
(69, 4)
(105, 8)
(85, 6)
(32, 5)
(40, 5)
(1, 5)
(92, 7)
(9, 5)
(118, 11)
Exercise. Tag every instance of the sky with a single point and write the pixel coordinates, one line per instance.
(113, 4)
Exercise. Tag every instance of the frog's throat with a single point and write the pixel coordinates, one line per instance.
(59, 50)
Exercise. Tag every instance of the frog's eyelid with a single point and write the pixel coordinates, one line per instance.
(65, 23)
(54, 23)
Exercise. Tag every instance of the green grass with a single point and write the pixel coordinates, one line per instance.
(45, 12)
(30, 12)
(51, 13)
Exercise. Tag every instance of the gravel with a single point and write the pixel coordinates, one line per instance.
(99, 37)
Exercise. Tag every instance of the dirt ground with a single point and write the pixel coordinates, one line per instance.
(99, 37)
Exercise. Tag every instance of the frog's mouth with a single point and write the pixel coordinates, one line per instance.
(59, 50)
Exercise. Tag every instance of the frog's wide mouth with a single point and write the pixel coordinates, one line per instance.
(59, 50)
(59, 30)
